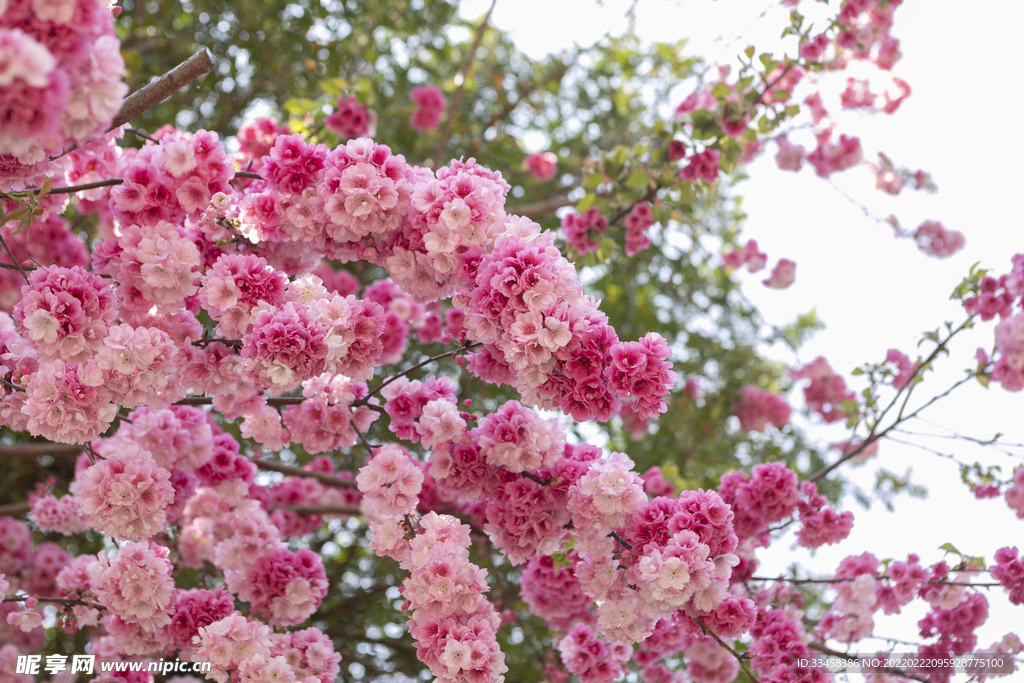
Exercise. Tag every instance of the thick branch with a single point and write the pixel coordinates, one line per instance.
(207, 400)
(328, 479)
(34, 450)
(14, 510)
(352, 510)
(149, 96)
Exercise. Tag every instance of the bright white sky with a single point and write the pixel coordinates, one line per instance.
(872, 291)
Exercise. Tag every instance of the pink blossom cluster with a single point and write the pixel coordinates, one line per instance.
(285, 586)
(177, 437)
(172, 179)
(749, 256)
(230, 641)
(1009, 571)
(783, 275)
(576, 227)
(255, 139)
(637, 222)
(756, 408)
(936, 240)
(790, 157)
(1008, 368)
(125, 495)
(518, 439)
(68, 402)
(702, 166)
(62, 81)
(892, 180)
(643, 371)
(778, 641)
(831, 157)
(1015, 493)
(63, 515)
(237, 288)
(995, 298)
(402, 315)
(390, 482)
(192, 610)
(589, 657)
(66, 312)
(309, 652)
(827, 390)
(138, 366)
(351, 119)
(430, 104)
(767, 496)
(406, 400)
(541, 165)
(528, 303)
(15, 545)
(326, 420)
(154, 264)
(136, 585)
(905, 579)
(551, 591)
(819, 524)
(453, 624)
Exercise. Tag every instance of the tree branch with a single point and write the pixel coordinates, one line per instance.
(149, 96)
(467, 69)
(328, 479)
(325, 509)
(14, 510)
(34, 450)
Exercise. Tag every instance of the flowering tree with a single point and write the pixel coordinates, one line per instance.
(327, 397)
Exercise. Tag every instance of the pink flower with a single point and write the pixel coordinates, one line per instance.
(289, 586)
(935, 240)
(65, 312)
(351, 119)
(790, 157)
(125, 495)
(703, 165)
(136, 585)
(390, 482)
(783, 275)
(542, 165)
(756, 408)
(430, 104)
(749, 256)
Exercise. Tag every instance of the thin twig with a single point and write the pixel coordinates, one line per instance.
(15, 261)
(465, 347)
(467, 69)
(744, 663)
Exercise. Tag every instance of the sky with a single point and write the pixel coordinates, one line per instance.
(872, 291)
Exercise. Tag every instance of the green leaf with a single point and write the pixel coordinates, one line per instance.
(592, 180)
(586, 202)
(721, 90)
(637, 179)
(950, 548)
(749, 52)
(780, 95)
